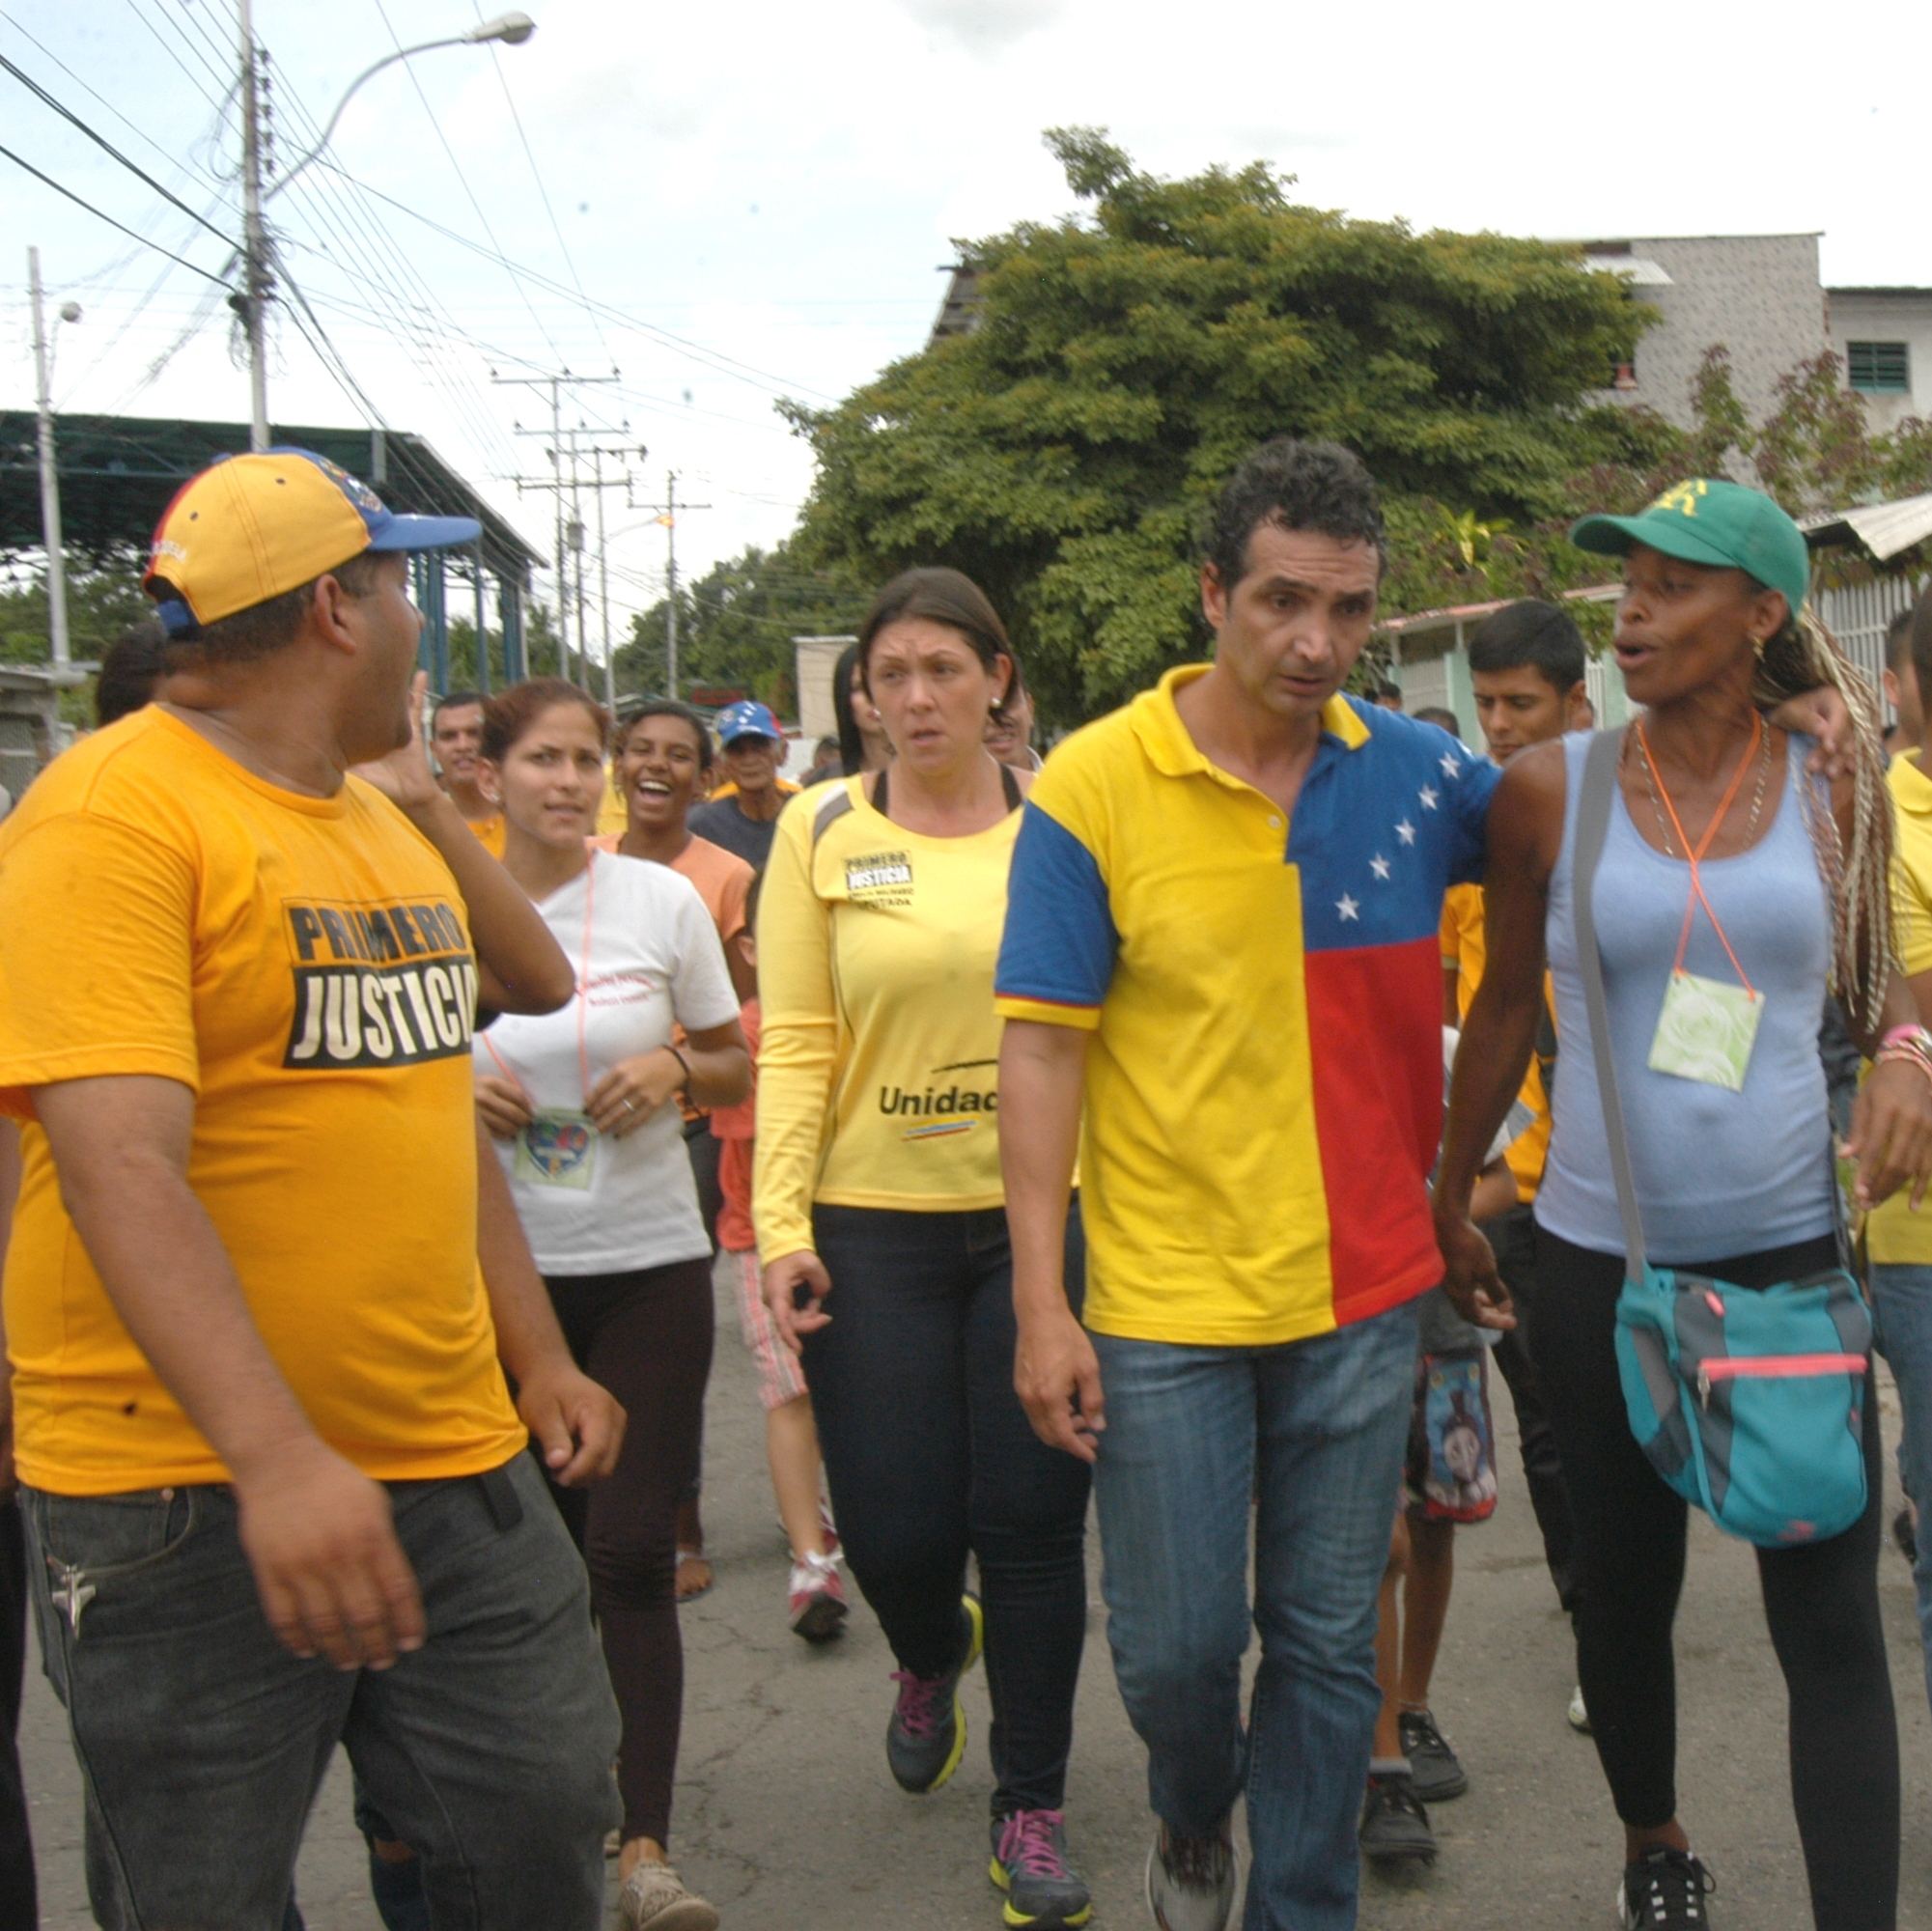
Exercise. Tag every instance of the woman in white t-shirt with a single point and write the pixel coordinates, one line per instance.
(581, 1102)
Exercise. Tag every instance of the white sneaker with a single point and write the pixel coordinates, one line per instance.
(1191, 1881)
(653, 1898)
(1580, 1717)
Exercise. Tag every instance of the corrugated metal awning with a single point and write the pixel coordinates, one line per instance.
(1638, 271)
(1880, 530)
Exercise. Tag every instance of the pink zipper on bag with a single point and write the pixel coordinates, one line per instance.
(1774, 1367)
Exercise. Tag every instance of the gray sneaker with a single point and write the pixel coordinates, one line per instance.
(1394, 1825)
(927, 1735)
(1191, 1881)
(1438, 1771)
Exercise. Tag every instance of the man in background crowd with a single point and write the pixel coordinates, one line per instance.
(743, 811)
(456, 737)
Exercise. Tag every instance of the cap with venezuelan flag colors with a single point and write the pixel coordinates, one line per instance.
(1720, 525)
(252, 527)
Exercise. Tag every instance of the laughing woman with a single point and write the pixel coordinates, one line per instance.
(882, 1220)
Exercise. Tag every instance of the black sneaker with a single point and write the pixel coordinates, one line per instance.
(1394, 1821)
(1438, 1771)
(1665, 1891)
(1044, 1891)
(927, 1735)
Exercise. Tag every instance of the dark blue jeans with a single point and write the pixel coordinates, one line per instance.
(929, 1454)
(202, 1741)
(1305, 1439)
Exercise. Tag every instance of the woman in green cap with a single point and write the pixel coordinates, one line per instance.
(1731, 887)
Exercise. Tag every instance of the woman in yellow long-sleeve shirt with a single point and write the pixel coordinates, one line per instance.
(882, 1221)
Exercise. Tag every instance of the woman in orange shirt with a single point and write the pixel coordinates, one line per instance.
(661, 763)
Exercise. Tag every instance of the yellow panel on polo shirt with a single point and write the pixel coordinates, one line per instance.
(1894, 1235)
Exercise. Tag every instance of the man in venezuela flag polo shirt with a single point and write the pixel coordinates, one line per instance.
(1255, 981)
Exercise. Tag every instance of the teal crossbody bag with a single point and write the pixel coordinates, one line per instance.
(1748, 1402)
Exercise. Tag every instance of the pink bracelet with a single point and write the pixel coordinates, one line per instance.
(1915, 1034)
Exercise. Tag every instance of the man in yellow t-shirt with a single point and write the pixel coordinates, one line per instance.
(456, 737)
(1526, 664)
(1898, 1242)
(260, 1417)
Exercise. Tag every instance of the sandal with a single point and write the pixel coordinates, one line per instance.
(698, 1556)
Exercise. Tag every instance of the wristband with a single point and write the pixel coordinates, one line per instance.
(685, 1086)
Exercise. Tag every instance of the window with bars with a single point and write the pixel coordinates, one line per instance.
(1879, 368)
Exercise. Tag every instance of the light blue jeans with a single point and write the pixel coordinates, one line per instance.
(1902, 1300)
(1313, 1433)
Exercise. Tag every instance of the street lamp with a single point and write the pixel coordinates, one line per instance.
(252, 299)
(513, 29)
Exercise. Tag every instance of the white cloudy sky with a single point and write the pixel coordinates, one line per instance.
(757, 196)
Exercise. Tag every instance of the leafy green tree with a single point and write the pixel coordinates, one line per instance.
(735, 624)
(101, 603)
(1064, 453)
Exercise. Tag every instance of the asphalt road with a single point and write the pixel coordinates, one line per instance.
(788, 1820)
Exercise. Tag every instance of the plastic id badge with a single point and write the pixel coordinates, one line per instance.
(557, 1149)
(1706, 1031)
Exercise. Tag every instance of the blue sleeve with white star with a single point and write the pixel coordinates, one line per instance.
(1471, 796)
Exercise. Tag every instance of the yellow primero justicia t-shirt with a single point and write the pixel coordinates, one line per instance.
(879, 1065)
(303, 966)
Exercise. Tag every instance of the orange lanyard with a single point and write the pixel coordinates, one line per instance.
(582, 994)
(1695, 897)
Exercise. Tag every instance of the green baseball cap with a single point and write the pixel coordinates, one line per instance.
(1721, 524)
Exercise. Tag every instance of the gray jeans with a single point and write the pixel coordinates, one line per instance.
(202, 1741)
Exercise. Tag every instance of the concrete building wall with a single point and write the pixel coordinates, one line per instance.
(1889, 315)
(1758, 295)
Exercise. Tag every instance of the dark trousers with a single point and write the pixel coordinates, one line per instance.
(702, 1147)
(929, 1455)
(1513, 1236)
(647, 1338)
(1820, 1600)
(202, 1741)
(17, 1903)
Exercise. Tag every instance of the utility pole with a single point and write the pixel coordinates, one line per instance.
(668, 515)
(256, 279)
(556, 384)
(50, 482)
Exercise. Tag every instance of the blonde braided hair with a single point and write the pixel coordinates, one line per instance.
(1803, 657)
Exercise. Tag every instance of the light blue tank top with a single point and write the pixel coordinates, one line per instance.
(1718, 1173)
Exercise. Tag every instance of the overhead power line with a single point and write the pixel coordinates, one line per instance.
(110, 220)
(106, 145)
(728, 365)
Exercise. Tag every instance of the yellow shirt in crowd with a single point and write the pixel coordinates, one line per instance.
(301, 964)
(1894, 1235)
(879, 1071)
(490, 833)
(1464, 948)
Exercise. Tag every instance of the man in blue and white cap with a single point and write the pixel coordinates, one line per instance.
(743, 811)
(260, 1298)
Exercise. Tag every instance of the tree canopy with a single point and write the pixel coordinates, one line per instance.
(735, 624)
(1065, 450)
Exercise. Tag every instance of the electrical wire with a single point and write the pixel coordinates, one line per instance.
(106, 145)
(727, 365)
(110, 220)
(26, 34)
(167, 47)
(543, 193)
(383, 14)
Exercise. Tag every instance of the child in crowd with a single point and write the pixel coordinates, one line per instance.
(816, 1593)
(1450, 1477)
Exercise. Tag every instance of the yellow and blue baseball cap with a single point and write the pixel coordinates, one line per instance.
(252, 527)
(1720, 525)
